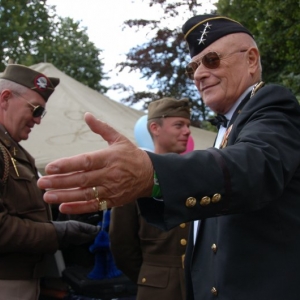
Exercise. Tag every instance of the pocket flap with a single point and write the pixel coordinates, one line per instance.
(154, 276)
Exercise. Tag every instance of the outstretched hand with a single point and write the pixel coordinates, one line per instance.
(120, 174)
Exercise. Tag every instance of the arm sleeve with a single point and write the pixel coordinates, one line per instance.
(24, 216)
(259, 166)
(124, 239)
(25, 235)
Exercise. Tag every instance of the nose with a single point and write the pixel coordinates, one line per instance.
(37, 120)
(201, 72)
(187, 130)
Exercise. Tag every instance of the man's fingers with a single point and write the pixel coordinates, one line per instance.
(108, 133)
(112, 171)
(64, 176)
(68, 195)
(81, 207)
(80, 162)
(92, 160)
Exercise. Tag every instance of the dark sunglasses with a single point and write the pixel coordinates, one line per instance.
(38, 111)
(210, 60)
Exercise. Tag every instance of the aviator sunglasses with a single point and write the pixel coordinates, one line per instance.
(37, 111)
(210, 60)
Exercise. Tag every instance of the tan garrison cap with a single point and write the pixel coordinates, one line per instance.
(169, 107)
(31, 79)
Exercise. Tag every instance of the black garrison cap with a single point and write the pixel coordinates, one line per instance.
(201, 31)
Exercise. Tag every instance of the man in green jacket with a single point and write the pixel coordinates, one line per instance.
(27, 232)
(151, 257)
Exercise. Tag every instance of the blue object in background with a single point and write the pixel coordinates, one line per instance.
(142, 135)
(104, 263)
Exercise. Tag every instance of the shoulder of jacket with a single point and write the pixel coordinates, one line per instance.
(275, 88)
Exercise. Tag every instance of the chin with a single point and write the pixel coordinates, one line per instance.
(215, 107)
(213, 103)
(24, 138)
(181, 150)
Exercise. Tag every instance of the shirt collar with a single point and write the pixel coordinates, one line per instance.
(229, 114)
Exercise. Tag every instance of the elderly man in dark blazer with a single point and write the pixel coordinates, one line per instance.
(242, 194)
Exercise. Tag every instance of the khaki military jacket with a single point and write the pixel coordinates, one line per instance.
(147, 255)
(26, 235)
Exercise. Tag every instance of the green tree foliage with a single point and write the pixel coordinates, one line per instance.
(22, 24)
(70, 50)
(162, 60)
(276, 28)
(32, 33)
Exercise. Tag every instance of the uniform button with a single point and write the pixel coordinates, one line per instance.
(214, 291)
(182, 225)
(183, 242)
(190, 202)
(144, 280)
(214, 248)
(216, 198)
(205, 201)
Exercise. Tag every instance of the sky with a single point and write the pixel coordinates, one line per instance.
(103, 20)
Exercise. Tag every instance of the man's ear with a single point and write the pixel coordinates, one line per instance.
(253, 59)
(153, 127)
(5, 95)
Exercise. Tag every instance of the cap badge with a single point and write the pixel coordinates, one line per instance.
(41, 82)
(204, 33)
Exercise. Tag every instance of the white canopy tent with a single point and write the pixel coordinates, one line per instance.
(63, 131)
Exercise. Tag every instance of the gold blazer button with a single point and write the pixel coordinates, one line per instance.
(183, 242)
(216, 198)
(190, 202)
(214, 248)
(205, 201)
(214, 291)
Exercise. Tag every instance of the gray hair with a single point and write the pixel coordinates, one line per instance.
(13, 86)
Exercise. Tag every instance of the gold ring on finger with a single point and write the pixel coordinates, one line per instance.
(96, 195)
(102, 205)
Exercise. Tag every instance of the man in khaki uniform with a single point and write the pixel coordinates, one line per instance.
(147, 255)
(26, 233)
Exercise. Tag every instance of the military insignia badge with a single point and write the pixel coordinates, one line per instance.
(204, 33)
(41, 82)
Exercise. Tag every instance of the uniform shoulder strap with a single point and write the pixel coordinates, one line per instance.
(4, 175)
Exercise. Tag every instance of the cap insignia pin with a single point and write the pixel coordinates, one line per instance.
(204, 33)
(41, 82)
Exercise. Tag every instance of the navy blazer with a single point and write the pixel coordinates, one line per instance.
(248, 243)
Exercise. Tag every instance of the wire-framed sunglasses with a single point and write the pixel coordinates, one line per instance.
(210, 60)
(37, 110)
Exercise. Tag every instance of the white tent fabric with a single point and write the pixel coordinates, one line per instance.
(63, 131)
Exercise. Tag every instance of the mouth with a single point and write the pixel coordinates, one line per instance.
(183, 141)
(206, 87)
